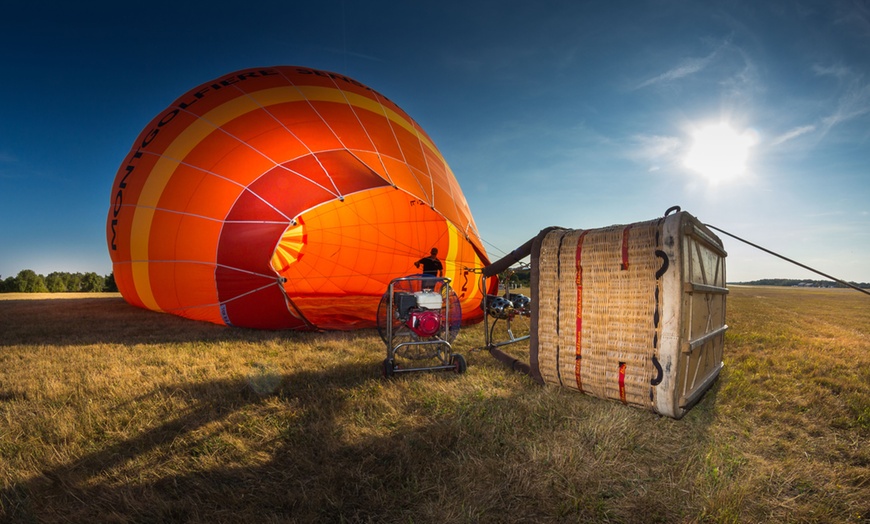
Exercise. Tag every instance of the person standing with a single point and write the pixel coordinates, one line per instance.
(431, 266)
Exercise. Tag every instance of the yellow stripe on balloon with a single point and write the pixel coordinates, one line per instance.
(454, 270)
(465, 284)
(208, 123)
(451, 269)
(279, 95)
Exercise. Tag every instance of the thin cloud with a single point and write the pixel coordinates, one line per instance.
(655, 151)
(792, 134)
(837, 71)
(853, 104)
(855, 15)
(655, 147)
(687, 67)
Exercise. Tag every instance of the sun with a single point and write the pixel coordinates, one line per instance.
(719, 153)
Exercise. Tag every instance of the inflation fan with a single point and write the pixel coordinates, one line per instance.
(418, 318)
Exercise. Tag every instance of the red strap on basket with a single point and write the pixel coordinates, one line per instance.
(622, 382)
(625, 248)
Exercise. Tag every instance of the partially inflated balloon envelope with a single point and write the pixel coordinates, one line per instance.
(285, 198)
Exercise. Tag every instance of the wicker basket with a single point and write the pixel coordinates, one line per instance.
(634, 313)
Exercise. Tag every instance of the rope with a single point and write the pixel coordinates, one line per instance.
(835, 279)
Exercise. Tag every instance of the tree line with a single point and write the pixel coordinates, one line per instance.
(791, 282)
(29, 281)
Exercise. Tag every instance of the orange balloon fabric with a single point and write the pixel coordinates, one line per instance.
(285, 198)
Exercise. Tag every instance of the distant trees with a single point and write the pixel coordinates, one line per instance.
(55, 282)
(28, 281)
(516, 277)
(791, 282)
(110, 285)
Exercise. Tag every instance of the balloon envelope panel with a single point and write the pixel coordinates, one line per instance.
(285, 197)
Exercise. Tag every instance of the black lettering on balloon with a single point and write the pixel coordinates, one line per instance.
(149, 137)
(114, 234)
(123, 183)
(119, 200)
(168, 117)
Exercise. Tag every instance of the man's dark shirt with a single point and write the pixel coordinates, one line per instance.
(431, 266)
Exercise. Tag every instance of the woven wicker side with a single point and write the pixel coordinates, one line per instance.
(619, 305)
(614, 286)
(547, 301)
(568, 311)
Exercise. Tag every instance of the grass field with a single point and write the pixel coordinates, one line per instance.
(109, 413)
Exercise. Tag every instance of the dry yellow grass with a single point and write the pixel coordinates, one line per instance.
(109, 413)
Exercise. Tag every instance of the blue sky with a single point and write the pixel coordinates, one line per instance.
(577, 114)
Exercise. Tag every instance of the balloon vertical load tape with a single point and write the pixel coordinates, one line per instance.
(633, 313)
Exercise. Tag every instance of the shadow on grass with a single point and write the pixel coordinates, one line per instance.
(314, 472)
(104, 320)
(84, 490)
(474, 462)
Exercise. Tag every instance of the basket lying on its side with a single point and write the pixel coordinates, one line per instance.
(634, 313)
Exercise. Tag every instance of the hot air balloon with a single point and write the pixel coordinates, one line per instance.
(285, 198)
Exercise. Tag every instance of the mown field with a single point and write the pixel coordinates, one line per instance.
(110, 413)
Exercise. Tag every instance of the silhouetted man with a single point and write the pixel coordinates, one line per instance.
(431, 264)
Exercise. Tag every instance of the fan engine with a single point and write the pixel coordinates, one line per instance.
(420, 311)
(418, 317)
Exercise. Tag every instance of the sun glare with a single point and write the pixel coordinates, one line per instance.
(720, 153)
